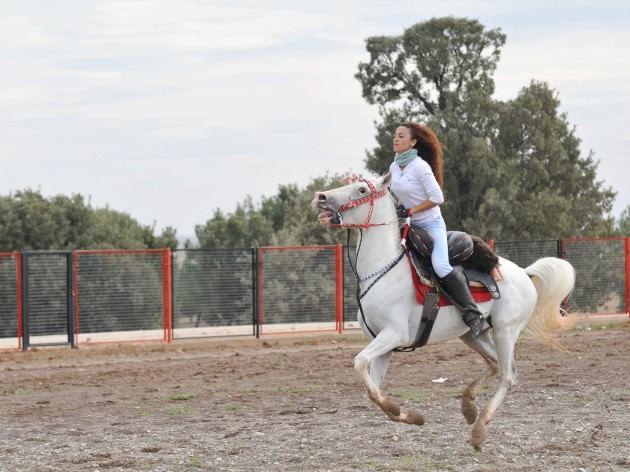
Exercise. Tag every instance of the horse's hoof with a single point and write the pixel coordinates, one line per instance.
(414, 417)
(478, 435)
(390, 407)
(469, 410)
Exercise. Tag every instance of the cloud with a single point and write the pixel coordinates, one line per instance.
(168, 109)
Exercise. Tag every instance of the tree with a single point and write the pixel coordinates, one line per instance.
(433, 67)
(299, 224)
(512, 169)
(623, 225)
(246, 227)
(30, 221)
(283, 219)
(549, 189)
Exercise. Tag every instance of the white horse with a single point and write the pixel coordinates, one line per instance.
(530, 298)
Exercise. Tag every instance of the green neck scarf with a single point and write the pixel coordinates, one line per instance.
(406, 157)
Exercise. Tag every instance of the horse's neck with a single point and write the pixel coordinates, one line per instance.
(379, 246)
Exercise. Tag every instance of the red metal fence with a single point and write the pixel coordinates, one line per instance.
(300, 289)
(126, 292)
(68, 297)
(214, 292)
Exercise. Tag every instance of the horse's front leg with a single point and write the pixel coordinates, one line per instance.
(371, 365)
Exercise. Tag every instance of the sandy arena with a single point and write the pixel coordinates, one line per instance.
(295, 404)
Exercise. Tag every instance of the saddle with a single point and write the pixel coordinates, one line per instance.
(476, 258)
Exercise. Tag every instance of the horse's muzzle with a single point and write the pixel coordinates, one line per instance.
(328, 213)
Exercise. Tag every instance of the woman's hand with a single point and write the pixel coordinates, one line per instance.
(402, 212)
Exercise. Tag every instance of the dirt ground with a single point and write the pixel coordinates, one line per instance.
(295, 404)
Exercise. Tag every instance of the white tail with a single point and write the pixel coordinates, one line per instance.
(554, 280)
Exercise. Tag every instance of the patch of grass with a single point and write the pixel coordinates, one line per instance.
(302, 391)
(595, 326)
(369, 465)
(418, 396)
(619, 395)
(180, 410)
(610, 325)
(194, 461)
(23, 391)
(180, 397)
(415, 462)
(232, 407)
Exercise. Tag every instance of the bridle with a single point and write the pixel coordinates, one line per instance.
(373, 195)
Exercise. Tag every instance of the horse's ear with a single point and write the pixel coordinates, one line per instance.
(386, 180)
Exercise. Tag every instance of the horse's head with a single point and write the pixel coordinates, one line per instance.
(356, 204)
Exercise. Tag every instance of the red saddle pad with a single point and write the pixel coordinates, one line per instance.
(479, 294)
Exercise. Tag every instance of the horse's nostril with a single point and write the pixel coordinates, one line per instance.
(321, 197)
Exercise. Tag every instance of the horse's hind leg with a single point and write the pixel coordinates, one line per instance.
(371, 365)
(484, 345)
(505, 355)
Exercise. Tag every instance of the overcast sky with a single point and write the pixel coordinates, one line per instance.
(170, 109)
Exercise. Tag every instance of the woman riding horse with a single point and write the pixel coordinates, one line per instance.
(416, 182)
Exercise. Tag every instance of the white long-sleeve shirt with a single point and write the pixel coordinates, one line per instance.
(415, 184)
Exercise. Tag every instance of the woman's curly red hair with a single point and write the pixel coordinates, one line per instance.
(428, 147)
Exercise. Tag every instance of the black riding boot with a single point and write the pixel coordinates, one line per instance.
(455, 286)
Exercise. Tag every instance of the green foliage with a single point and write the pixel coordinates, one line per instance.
(599, 269)
(30, 221)
(283, 219)
(623, 225)
(119, 293)
(245, 227)
(212, 287)
(549, 189)
(513, 170)
(177, 397)
(433, 66)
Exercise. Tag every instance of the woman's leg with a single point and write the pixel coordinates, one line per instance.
(439, 256)
(453, 281)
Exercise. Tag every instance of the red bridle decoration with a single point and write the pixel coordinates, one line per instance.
(374, 195)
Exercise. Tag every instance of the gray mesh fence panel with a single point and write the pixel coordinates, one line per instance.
(119, 292)
(47, 297)
(8, 298)
(212, 289)
(600, 275)
(524, 253)
(298, 287)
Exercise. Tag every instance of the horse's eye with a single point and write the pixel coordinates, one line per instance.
(362, 190)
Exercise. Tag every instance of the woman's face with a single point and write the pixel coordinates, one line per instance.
(403, 140)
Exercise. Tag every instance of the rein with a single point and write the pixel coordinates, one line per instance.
(380, 273)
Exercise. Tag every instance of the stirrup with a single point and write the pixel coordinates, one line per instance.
(475, 322)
